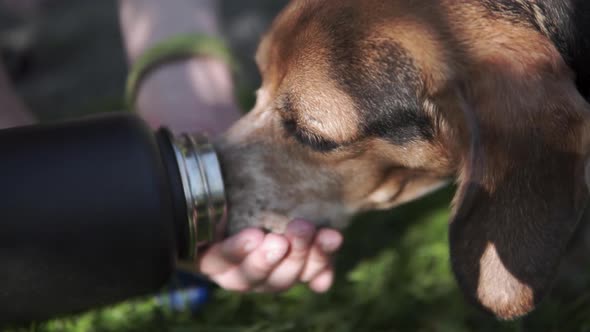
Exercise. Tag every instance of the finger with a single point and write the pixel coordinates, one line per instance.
(222, 257)
(256, 267)
(259, 264)
(323, 282)
(326, 242)
(232, 280)
(300, 235)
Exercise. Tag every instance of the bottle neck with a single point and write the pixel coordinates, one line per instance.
(198, 190)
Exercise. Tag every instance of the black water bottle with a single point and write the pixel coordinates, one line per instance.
(99, 210)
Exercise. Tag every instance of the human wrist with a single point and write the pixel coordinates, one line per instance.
(194, 89)
(146, 23)
(191, 95)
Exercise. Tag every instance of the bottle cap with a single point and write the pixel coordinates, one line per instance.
(204, 190)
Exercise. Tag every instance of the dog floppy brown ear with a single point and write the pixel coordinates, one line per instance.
(521, 184)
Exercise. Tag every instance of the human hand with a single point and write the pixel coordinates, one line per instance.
(259, 262)
(196, 95)
(186, 95)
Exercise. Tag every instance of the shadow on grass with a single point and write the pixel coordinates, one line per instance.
(393, 274)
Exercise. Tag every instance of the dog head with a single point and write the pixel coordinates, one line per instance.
(369, 104)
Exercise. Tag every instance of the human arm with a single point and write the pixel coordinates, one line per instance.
(197, 95)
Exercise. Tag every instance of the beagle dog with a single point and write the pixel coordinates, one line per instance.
(368, 104)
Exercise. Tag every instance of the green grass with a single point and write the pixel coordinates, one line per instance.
(393, 274)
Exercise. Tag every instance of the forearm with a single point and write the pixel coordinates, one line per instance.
(190, 95)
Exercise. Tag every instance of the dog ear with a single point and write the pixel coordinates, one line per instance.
(521, 184)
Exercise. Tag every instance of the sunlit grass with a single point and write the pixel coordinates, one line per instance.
(393, 274)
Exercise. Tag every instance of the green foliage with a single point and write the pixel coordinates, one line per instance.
(393, 274)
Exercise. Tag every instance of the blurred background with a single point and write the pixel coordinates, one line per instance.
(66, 59)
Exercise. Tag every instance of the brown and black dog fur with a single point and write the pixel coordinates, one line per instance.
(367, 104)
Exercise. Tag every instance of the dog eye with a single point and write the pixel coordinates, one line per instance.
(307, 138)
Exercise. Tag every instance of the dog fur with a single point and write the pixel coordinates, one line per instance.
(368, 104)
